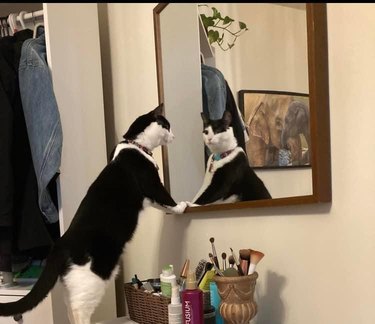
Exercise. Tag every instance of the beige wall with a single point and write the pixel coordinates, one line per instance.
(319, 259)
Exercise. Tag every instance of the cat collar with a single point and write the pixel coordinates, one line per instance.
(144, 149)
(219, 156)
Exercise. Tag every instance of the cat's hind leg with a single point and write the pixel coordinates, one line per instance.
(81, 317)
(86, 290)
(69, 309)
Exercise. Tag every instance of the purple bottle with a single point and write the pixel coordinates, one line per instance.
(192, 301)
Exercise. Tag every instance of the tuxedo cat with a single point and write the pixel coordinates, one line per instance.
(228, 177)
(86, 257)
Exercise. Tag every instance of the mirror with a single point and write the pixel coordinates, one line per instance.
(284, 51)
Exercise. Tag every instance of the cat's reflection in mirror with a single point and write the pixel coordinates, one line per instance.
(229, 177)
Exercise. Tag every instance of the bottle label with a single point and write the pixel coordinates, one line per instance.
(188, 312)
(166, 288)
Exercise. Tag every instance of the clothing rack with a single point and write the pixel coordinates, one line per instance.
(31, 15)
(21, 17)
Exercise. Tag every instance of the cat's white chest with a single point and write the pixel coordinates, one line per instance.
(206, 182)
(122, 146)
(212, 166)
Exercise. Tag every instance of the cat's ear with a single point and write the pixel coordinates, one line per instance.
(158, 110)
(204, 118)
(227, 118)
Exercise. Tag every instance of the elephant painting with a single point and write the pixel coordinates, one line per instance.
(296, 129)
(278, 127)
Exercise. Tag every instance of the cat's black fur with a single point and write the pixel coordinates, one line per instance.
(107, 216)
(233, 177)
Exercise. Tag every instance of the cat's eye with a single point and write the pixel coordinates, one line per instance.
(205, 132)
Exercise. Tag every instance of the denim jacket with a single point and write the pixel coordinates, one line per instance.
(42, 119)
(214, 92)
(217, 97)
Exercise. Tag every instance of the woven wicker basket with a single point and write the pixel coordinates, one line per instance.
(146, 308)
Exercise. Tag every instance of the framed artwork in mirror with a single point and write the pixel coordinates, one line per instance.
(278, 125)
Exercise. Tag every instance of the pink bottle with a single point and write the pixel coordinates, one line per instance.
(192, 301)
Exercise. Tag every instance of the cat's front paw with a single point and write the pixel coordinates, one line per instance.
(179, 208)
(190, 204)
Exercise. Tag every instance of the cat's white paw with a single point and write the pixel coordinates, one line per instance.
(190, 204)
(179, 208)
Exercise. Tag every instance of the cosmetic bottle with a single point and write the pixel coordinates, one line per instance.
(208, 309)
(204, 285)
(175, 307)
(192, 301)
(167, 280)
(135, 283)
(183, 274)
(215, 302)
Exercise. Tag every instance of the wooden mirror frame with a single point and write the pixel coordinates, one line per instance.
(316, 18)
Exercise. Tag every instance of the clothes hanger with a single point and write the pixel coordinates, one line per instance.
(5, 27)
(12, 21)
(21, 17)
(202, 58)
(36, 26)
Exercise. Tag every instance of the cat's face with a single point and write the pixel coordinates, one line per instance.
(218, 134)
(151, 129)
(159, 131)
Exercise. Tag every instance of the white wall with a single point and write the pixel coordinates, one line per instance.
(319, 259)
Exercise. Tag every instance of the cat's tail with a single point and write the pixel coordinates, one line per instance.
(55, 265)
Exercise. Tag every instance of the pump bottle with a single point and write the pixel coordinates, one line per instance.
(175, 307)
(192, 301)
(167, 280)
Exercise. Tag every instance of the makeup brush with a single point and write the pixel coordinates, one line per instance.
(231, 261)
(237, 263)
(216, 261)
(185, 269)
(255, 257)
(245, 259)
(230, 271)
(200, 270)
(220, 273)
(184, 272)
(224, 256)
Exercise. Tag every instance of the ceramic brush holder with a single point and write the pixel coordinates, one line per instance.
(237, 298)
